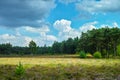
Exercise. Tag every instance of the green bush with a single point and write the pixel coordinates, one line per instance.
(82, 54)
(97, 54)
(19, 69)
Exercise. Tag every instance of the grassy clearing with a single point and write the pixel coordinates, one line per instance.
(62, 67)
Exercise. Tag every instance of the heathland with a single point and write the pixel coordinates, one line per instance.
(58, 67)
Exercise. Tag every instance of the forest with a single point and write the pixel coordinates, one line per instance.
(105, 40)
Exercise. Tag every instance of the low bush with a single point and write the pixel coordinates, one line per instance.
(97, 54)
(19, 69)
(82, 54)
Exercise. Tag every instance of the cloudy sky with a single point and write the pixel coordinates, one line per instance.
(46, 21)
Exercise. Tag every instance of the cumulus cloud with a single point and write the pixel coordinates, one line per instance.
(20, 40)
(63, 25)
(94, 6)
(65, 29)
(88, 26)
(15, 40)
(22, 36)
(15, 13)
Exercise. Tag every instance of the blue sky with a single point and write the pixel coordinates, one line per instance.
(46, 21)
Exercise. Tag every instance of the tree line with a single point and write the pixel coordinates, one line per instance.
(105, 40)
(65, 47)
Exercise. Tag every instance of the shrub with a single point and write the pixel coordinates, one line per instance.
(82, 54)
(88, 55)
(19, 69)
(118, 50)
(97, 54)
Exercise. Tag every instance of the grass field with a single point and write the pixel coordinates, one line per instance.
(62, 67)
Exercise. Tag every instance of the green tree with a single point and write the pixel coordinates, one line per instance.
(6, 48)
(104, 40)
(33, 47)
(118, 50)
(56, 47)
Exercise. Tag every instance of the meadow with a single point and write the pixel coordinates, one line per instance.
(60, 67)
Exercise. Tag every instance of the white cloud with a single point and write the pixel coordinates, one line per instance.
(63, 25)
(105, 25)
(45, 40)
(22, 36)
(21, 40)
(7, 36)
(114, 24)
(51, 38)
(27, 40)
(42, 31)
(43, 36)
(65, 29)
(37, 30)
(14, 39)
(94, 6)
(88, 26)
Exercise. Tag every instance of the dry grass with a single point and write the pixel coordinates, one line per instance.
(63, 67)
(55, 60)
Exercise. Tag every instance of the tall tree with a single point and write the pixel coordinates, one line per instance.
(33, 47)
(56, 47)
(104, 40)
(5, 48)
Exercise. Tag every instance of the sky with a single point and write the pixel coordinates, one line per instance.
(46, 21)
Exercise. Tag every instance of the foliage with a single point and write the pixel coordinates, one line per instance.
(33, 47)
(67, 47)
(99, 40)
(118, 50)
(5, 48)
(82, 54)
(19, 69)
(104, 52)
(97, 54)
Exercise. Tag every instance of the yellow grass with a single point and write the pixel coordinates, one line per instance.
(55, 60)
(60, 67)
